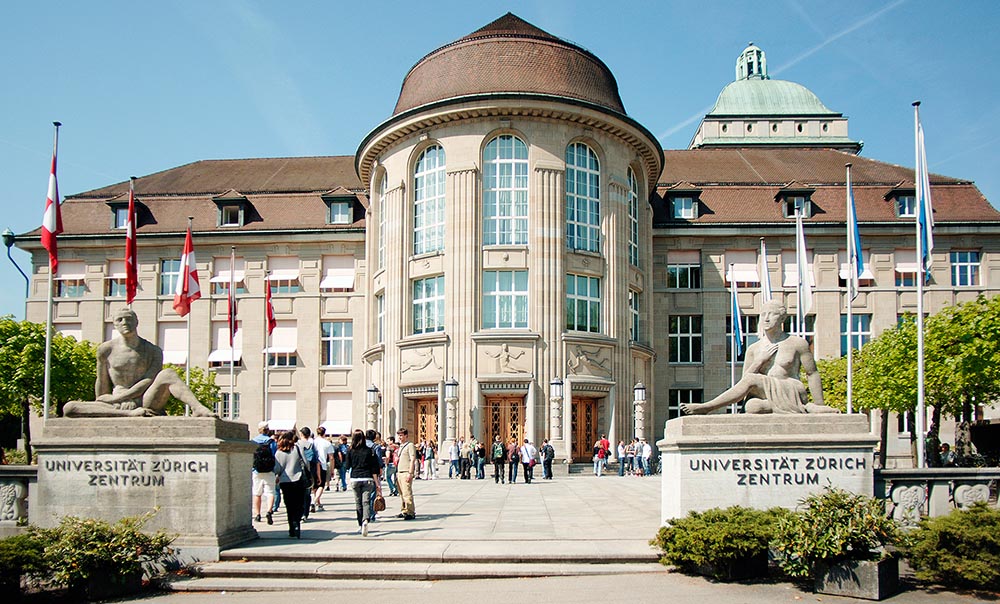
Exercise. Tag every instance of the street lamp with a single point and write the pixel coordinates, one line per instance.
(639, 403)
(451, 409)
(555, 408)
(372, 400)
(8, 242)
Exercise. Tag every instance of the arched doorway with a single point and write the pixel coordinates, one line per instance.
(584, 427)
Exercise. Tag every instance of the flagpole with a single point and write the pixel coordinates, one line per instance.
(800, 315)
(732, 331)
(232, 324)
(48, 304)
(765, 276)
(918, 182)
(267, 339)
(187, 363)
(852, 270)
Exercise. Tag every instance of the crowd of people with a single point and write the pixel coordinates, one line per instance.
(297, 467)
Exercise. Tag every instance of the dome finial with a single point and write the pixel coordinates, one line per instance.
(751, 64)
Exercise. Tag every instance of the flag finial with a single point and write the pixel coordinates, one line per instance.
(916, 103)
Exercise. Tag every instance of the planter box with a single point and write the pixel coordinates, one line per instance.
(868, 579)
(751, 567)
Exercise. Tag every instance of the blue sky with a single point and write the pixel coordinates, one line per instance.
(145, 86)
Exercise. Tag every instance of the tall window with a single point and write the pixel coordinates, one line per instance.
(114, 282)
(226, 408)
(428, 305)
(170, 271)
(633, 309)
(583, 198)
(685, 339)
(583, 303)
(336, 343)
(381, 219)
(379, 317)
(284, 274)
(808, 331)
(684, 269)
(748, 329)
(505, 299)
(505, 191)
(678, 396)
(633, 219)
(964, 268)
(428, 201)
(861, 333)
(223, 272)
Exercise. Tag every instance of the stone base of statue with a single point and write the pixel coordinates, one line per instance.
(196, 471)
(761, 461)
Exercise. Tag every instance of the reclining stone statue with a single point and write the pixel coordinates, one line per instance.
(131, 380)
(770, 382)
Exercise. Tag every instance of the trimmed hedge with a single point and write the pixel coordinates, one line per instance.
(960, 550)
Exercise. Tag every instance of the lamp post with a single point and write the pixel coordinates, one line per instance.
(639, 403)
(8, 241)
(555, 407)
(451, 408)
(372, 401)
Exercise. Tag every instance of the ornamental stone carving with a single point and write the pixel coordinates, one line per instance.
(967, 495)
(13, 500)
(909, 502)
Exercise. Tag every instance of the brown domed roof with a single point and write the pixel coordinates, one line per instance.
(509, 56)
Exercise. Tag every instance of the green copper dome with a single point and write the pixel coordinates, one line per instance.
(768, 97)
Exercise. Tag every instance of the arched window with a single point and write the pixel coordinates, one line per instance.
(381, 220)
(505, 191)
(633, 219)
(583, 198)
(428, 201)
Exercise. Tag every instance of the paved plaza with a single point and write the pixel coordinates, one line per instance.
(485, 539)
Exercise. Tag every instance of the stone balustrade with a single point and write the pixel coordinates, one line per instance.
(912, 493)
(14, 487)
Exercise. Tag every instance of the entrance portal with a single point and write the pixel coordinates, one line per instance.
(425, 420)
(504, 415)
(584, 428)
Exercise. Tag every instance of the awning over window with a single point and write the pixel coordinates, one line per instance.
(338, 412)
(790, 269)
(70, 329)
(173, 341)
(70, 270)
(283, 268)
(338, 272)
(845, 267)
(220, 343)
(222, 267)
(337, 428)
(684, 257)
(116, 269)
(744, 266)
(284, 338)
(223, 356)
(281, 425)
(282, 415)
(906, 261)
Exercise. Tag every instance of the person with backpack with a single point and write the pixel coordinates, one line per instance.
(548, 455)
(263, 472)
(600, 457)
(497, 454)
(305, 444)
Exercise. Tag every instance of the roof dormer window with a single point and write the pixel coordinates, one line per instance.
(231, 216)
(796, 204)
(906, 206)
(339, 206)
(231, 209)
(684, 207)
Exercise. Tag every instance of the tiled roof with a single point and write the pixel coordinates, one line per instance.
(509, 56)
(744, 185)
(216, 176)
(281, 194)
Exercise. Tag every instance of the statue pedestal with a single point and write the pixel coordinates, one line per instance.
(195, 470)
(761, 461)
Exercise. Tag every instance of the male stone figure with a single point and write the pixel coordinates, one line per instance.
(131, 380)
(770, 382)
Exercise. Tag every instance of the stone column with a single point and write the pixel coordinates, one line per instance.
(451, 414)
(555, 417)
(547, 283)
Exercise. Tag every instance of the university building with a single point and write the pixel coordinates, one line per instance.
(510, 253)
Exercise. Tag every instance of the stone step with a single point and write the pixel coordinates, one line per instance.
(269, 575)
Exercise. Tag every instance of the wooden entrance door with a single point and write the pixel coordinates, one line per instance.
(584, 428)
(504, 415)
(425, 415)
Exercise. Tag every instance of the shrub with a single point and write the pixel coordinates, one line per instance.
(961, 549)
(835, 525)
(81, 548)
(15, 456)
(717, 538)
(22, 554)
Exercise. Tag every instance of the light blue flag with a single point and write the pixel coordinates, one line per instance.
(925, 210)
(854, 256)
(737, 323)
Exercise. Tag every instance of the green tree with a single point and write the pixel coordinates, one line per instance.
(202, 385)
(22, 371)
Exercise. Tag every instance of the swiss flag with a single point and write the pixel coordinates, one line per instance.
(188, 288)
(271, 321)
(52, 220)
(131, 275)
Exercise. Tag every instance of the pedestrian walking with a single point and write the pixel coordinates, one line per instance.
(513, 461)
(498, 455)
(293, 480)
(365, 478)
(548, 454)
(528, 456)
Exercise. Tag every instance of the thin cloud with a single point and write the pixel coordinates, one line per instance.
(801, 57)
